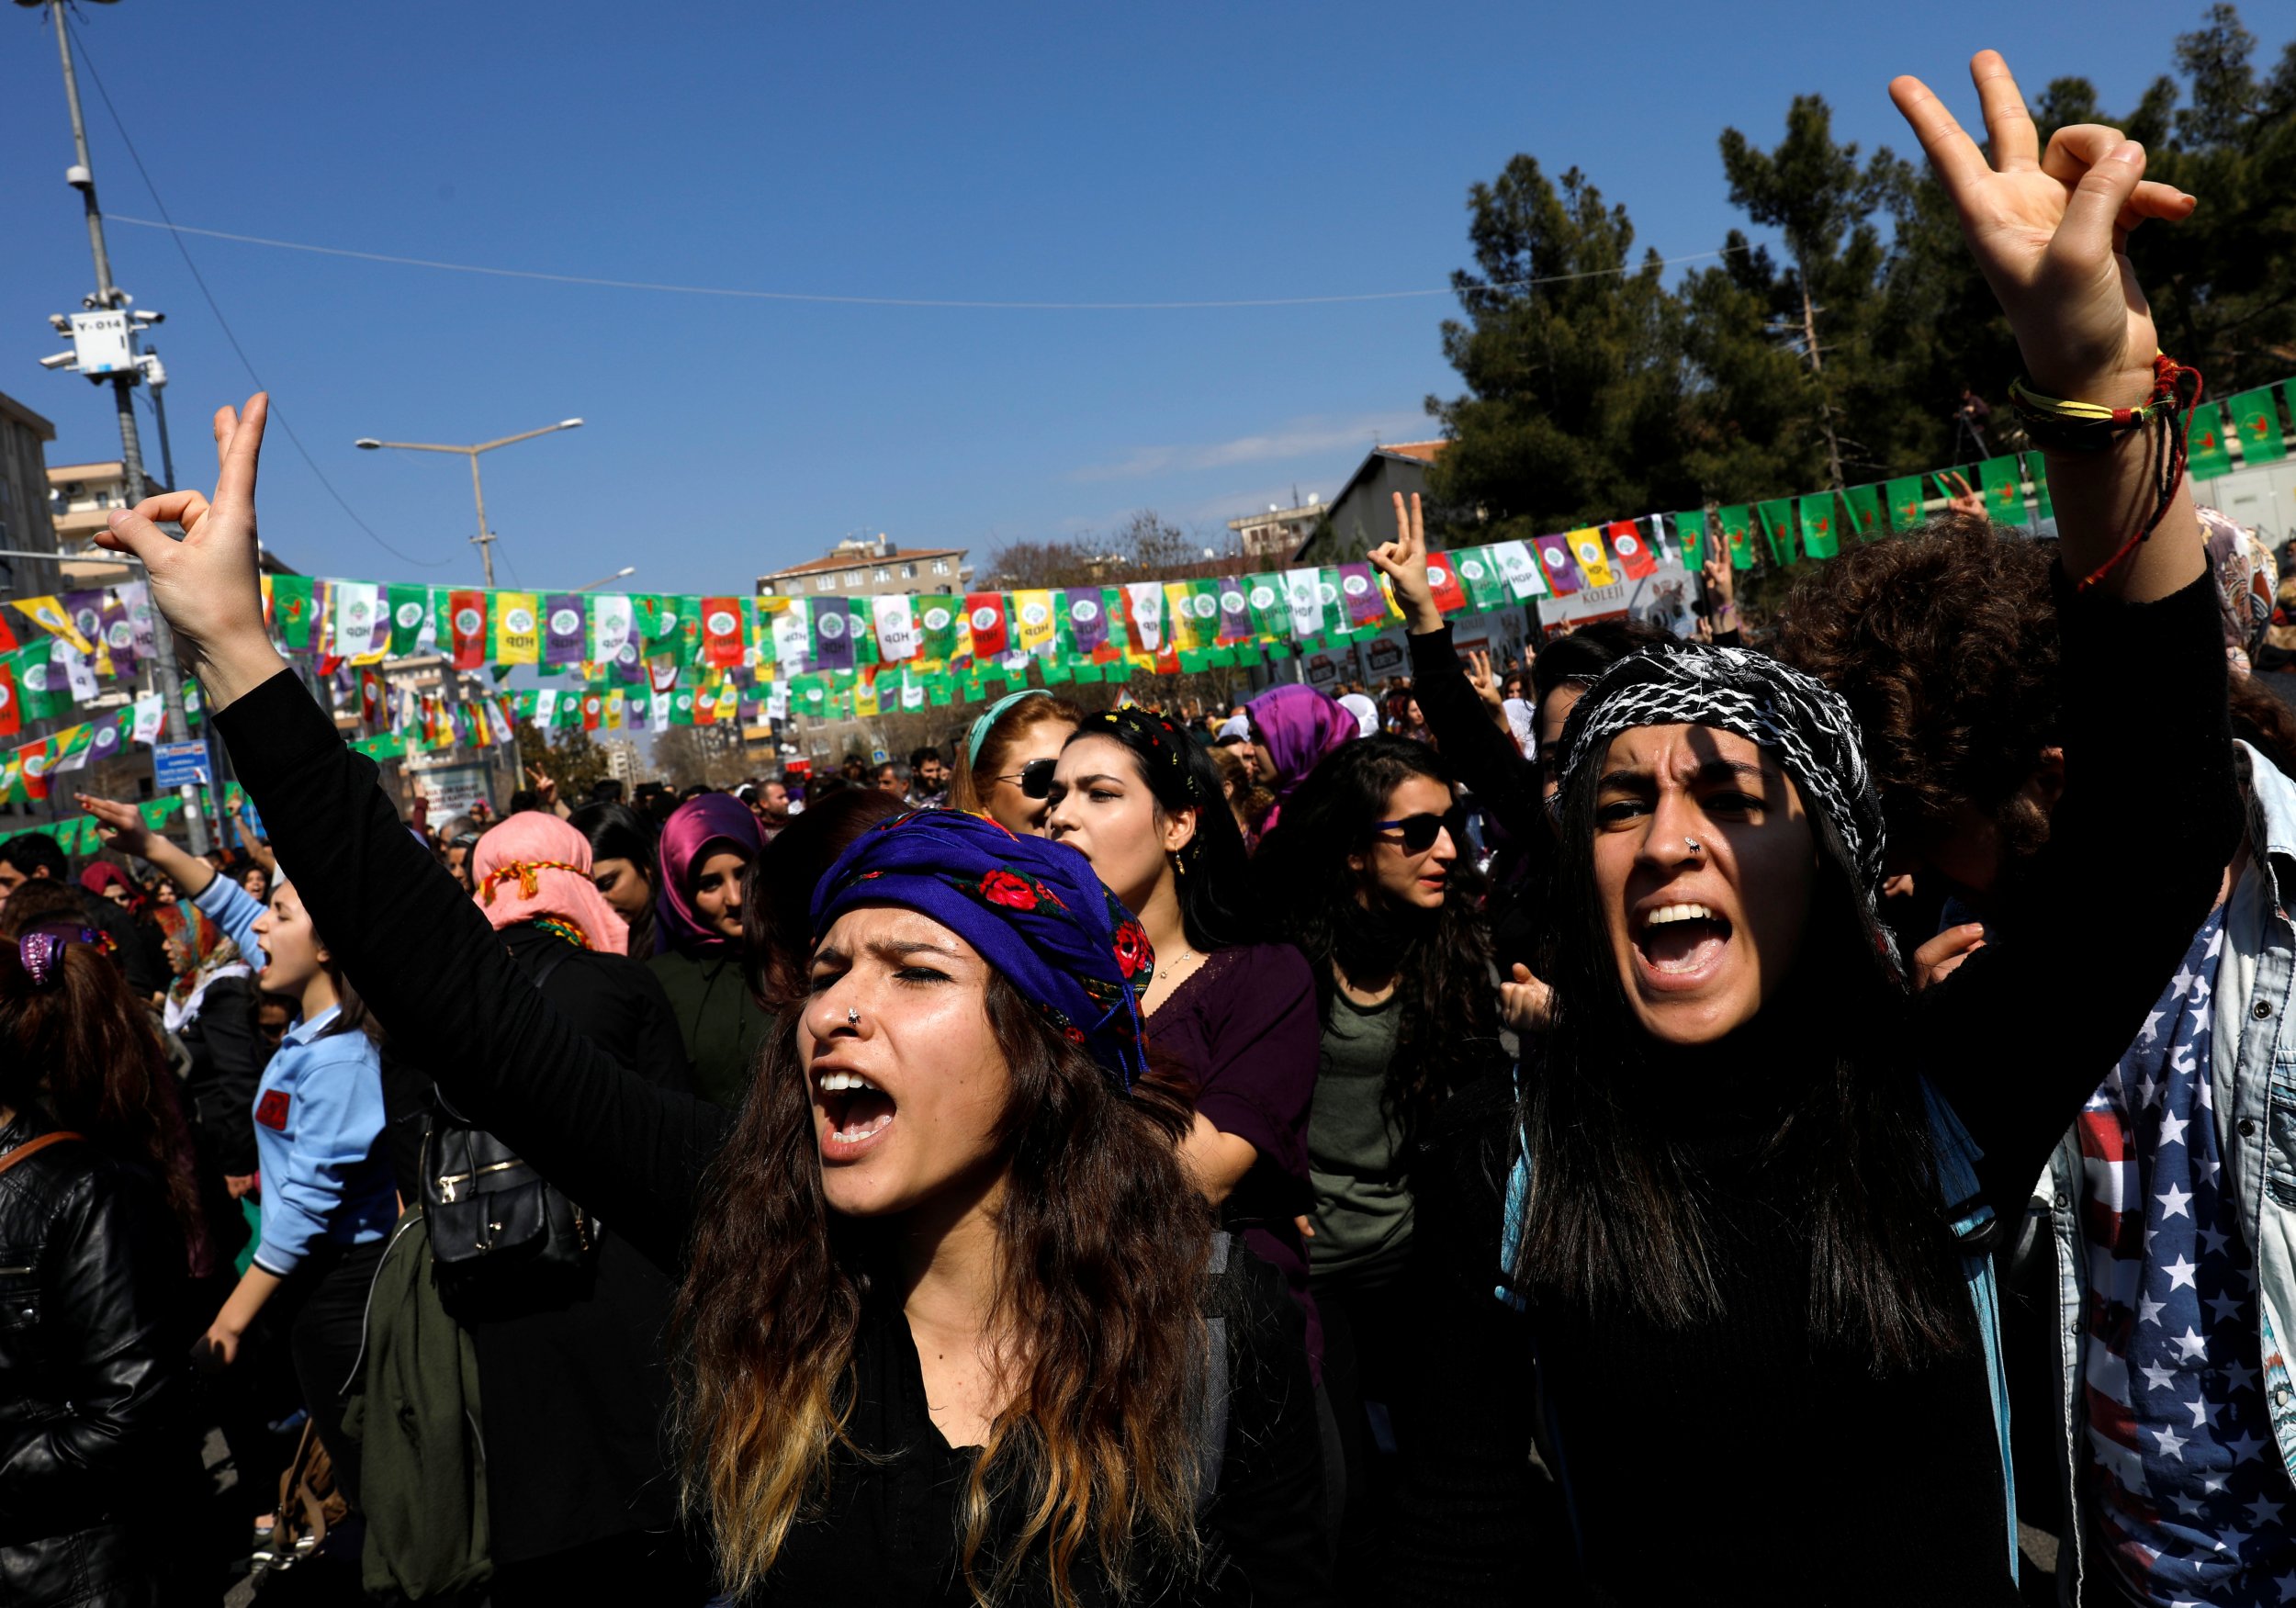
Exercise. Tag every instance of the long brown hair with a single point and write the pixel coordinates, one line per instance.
(81, 1050)
(1102, 1246)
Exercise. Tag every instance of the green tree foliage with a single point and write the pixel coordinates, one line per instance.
(565, 755)
(1840, 360)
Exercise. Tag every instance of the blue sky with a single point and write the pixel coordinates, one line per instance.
(992, 152)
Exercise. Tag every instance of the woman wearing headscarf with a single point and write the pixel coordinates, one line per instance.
(1291, 729)
(579, 1502)
(706, 847)
(1753, 1182)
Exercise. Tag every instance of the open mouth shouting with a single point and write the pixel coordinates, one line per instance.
(855, 1113)
(1680, 946)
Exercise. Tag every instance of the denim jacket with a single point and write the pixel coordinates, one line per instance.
(2254, 1082)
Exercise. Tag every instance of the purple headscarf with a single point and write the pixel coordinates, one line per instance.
(1031, 907)
(1297, 726)
(686, 839)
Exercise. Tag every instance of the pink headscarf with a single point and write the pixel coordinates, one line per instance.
(535, 865)
(686, 837)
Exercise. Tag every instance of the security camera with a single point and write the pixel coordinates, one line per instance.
(57, 361)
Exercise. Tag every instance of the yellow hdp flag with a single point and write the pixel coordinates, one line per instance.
(729, 701)
(1586, 545)
(517, 628)
(1033, 610)
(1179, 612)
(615, 704)
(50, 615)
(865, 698)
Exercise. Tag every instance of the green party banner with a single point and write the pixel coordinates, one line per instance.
(1818, 526)
(2039, 470)
(2205, 451)
(1902, 500)
(1866, 510)
(1690, 530)
(2257, 419)
(1737, 534)
(936, 627)
(1485, 590)
(1777, 527)
(2004, 490)
(410, 607)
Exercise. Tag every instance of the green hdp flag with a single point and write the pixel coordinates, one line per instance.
(1901, 503)
(1777, 527)
(2257, 419)
(1270, 617)
(2205, 451)
(1086, 670)
(293, 610)
(1117, 610)
(939, 690)
(936, 628)
(862, 627)
(1819, 539)
(41, 690)
(1204, 598)
(1486, 590)
(654, 617)
(1738, 535)
(1866, 510)
(2004, 490)
(1690, 531)
(2039, 470)
(689, 628)
(1193, 660)
(410, 606)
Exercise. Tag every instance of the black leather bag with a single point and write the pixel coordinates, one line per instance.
(498, 1231)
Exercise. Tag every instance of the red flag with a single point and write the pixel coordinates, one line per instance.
(11, 714)
(1634, 552)
(374, 700)
(34, 761)
(7, 638)
(467, 616)
(1443, 582)
(985, 612)
(721, 632)
(592, 704)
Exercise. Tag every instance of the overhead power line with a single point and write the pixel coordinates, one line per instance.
(180, 229)
(278, 415)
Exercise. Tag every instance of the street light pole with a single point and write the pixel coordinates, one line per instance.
(166, 672)
(484, 540)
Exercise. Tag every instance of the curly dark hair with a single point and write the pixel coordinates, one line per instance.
(1945, 644)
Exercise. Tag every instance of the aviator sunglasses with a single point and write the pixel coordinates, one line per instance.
(1034, 779)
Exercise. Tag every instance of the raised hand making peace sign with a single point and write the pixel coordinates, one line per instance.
(2049, 230)
(206, 585)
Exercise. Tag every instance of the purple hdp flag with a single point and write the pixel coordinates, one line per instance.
(1087, 618)
(120, 632)
(564, 621)
(1235, 610)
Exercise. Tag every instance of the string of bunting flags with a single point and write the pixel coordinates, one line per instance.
(641, 661)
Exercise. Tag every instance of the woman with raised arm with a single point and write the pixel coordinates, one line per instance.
(1752, 1184)
(954, 1323)
(329, 1198)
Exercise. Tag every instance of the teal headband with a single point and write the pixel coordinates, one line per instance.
(980, 727)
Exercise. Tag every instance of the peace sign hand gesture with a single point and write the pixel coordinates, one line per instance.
(206, 584)
(2049, 230)
(1405, 563)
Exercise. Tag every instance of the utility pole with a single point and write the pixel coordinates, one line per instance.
(109, 297)
(484, 540)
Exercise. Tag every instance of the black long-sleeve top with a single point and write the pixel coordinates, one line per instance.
(436, 975)
(1780, 1468)
(1478, 752)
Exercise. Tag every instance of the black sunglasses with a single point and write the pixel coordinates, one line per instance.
(1034, 779)
(1419, 831)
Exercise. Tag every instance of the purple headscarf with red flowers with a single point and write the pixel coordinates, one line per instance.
(1033, 907)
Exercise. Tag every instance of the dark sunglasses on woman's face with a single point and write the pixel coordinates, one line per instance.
(1034, 780)
(1419, 832)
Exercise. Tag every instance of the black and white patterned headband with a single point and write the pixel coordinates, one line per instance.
(1796, 716)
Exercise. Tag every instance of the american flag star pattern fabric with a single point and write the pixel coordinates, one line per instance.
(2193, 1502)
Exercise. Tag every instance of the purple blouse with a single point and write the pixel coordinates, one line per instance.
(1244, 1029)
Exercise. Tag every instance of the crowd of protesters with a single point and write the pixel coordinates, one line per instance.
(1743, 1119)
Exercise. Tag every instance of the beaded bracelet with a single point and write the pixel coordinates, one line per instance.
(2089, 427)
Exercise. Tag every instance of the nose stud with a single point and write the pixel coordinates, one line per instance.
(1692, 844)
(852, 1016)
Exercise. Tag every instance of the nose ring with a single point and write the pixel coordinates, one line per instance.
(851, 1016)
(1694, 845)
